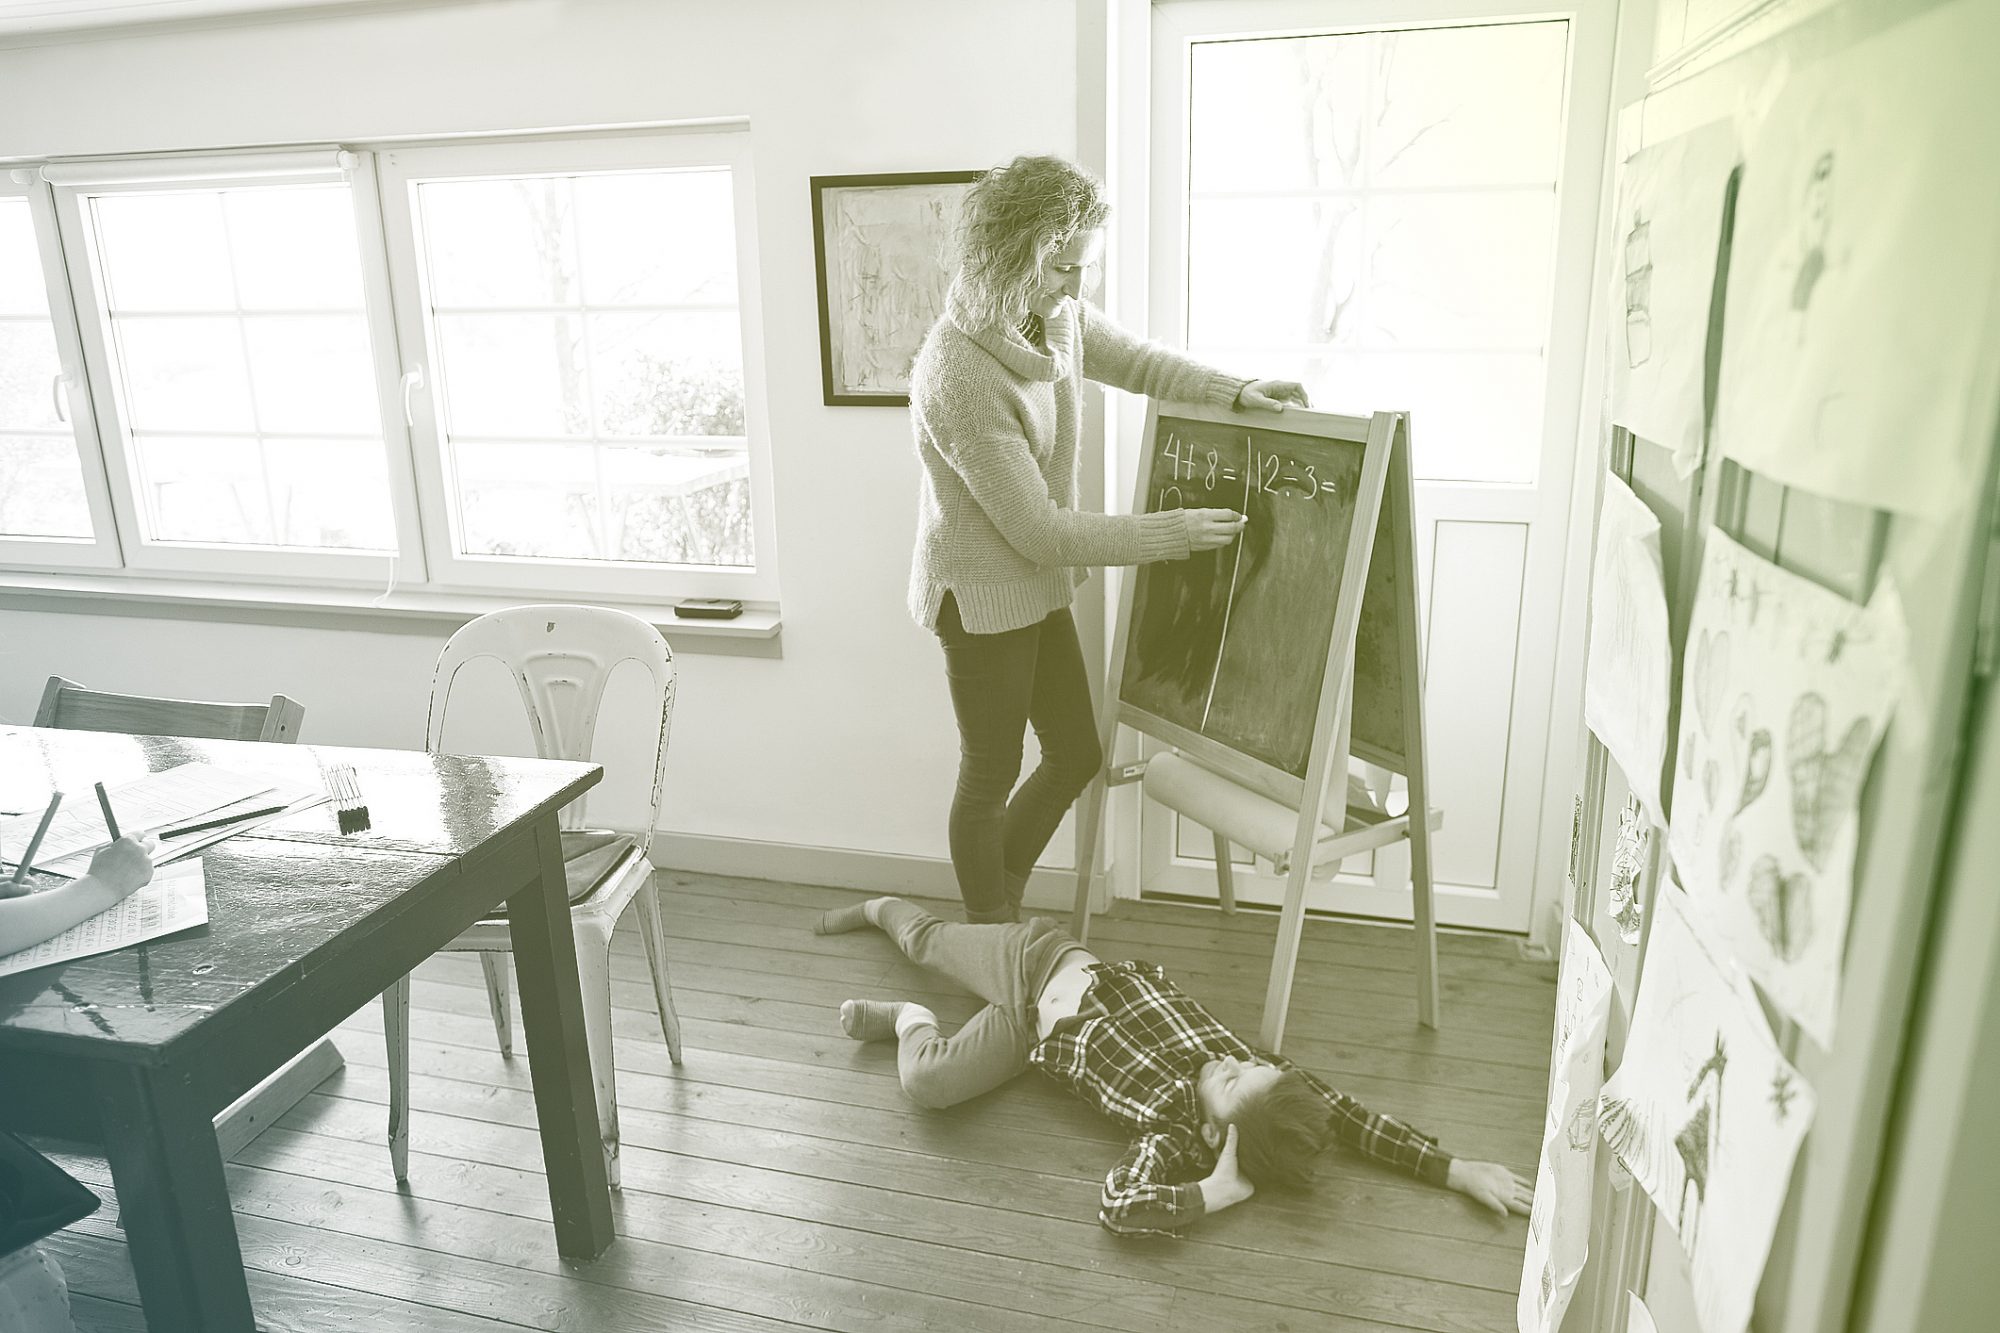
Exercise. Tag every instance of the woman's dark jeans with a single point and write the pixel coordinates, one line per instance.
(1000, 685)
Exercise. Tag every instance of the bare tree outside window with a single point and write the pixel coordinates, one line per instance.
(1374, 215)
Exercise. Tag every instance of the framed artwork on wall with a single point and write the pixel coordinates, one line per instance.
(883, 247)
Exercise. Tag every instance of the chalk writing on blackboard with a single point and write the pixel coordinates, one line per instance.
(1231, 644)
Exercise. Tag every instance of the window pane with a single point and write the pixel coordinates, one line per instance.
(28, 369)
(513, 374)
(41, 477)
(305, 370)
(572, 315)
(295, 248)
(184, 373)
(164, 251)
(593, 502)
(22, 288)
(41, 488)
(498, 242)
(1424, 107)
(622, 221)
(668, 374)
(1418, 271)
(230, 491)
(246, 425)
(1376, 211)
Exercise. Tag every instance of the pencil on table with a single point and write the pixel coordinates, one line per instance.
(104, 804)
(35, 843)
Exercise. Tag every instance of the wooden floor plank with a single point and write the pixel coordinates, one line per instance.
(779, 1179)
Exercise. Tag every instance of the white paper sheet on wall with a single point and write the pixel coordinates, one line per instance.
(1638, 1318)
(1625, 684)
(1559, 1224)
(1785, 695)
(175, 899)
(1864, 260)
(1667, 238)
(1705, 1112)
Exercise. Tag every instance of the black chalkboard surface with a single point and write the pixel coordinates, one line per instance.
(1226, 652)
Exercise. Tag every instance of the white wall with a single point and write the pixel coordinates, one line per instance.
(846, 741)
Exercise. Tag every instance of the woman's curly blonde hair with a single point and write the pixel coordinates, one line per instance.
(1014, 216)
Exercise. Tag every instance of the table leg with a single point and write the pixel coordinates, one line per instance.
(558, 1053)
(173, 1201)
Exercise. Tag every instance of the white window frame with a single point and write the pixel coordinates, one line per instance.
(101, 549)
(71, 185)
(400, 170)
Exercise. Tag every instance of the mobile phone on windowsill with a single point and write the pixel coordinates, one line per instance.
(708, 608)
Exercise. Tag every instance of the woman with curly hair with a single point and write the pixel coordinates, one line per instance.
(996, 403)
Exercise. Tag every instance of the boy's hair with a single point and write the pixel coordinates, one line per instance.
(1013, 216)
(1279, 1135)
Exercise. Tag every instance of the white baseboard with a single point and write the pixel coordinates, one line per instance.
(1050, 889)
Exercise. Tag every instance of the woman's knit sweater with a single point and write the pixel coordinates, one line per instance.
(997, 423)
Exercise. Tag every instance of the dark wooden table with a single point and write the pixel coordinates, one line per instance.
(138, 1050)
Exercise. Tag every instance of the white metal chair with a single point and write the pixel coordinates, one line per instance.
(561, 657)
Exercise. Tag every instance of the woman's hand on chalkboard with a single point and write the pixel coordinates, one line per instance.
(1272, 395)
(1208, 529)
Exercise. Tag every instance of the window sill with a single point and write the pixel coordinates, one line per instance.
(754, 633)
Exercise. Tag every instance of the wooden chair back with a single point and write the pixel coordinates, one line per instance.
(69, 705)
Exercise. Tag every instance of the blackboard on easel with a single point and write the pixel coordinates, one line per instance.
(1226, 651)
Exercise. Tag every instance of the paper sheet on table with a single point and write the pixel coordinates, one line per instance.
(1705, 1112)
(1625, 683)
(175, 899)
(1857, 325)
(1559, 1224)
(171, 795)
(1667, 243)
(1787, 692)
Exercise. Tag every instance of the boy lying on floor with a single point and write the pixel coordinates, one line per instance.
(1214, 1120)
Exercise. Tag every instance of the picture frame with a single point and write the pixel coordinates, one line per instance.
(883, 253)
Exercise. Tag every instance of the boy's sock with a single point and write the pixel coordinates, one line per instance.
(910, 1015)
(872, 1020)
(840, 920)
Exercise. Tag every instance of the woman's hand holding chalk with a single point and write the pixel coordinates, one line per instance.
(1208, 529)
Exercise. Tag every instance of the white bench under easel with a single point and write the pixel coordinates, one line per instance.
(1373, 711)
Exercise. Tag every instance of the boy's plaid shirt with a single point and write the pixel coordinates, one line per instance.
(1137, 1062)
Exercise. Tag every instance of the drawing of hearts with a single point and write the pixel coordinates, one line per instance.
(1753, 753)
(1783, 904)
(1730, 853)
(1711, 675)
(1825, 783)
(1710, 779)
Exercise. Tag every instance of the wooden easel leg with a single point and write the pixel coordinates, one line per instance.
(1402, 501)
(1285, 956)
(1225, 876)
(1424, 917)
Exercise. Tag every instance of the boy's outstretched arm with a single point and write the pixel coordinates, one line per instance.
(1390, 1140)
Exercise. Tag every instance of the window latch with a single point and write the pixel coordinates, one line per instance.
(413, 379)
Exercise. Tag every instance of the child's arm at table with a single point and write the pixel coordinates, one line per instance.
(115, 872)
